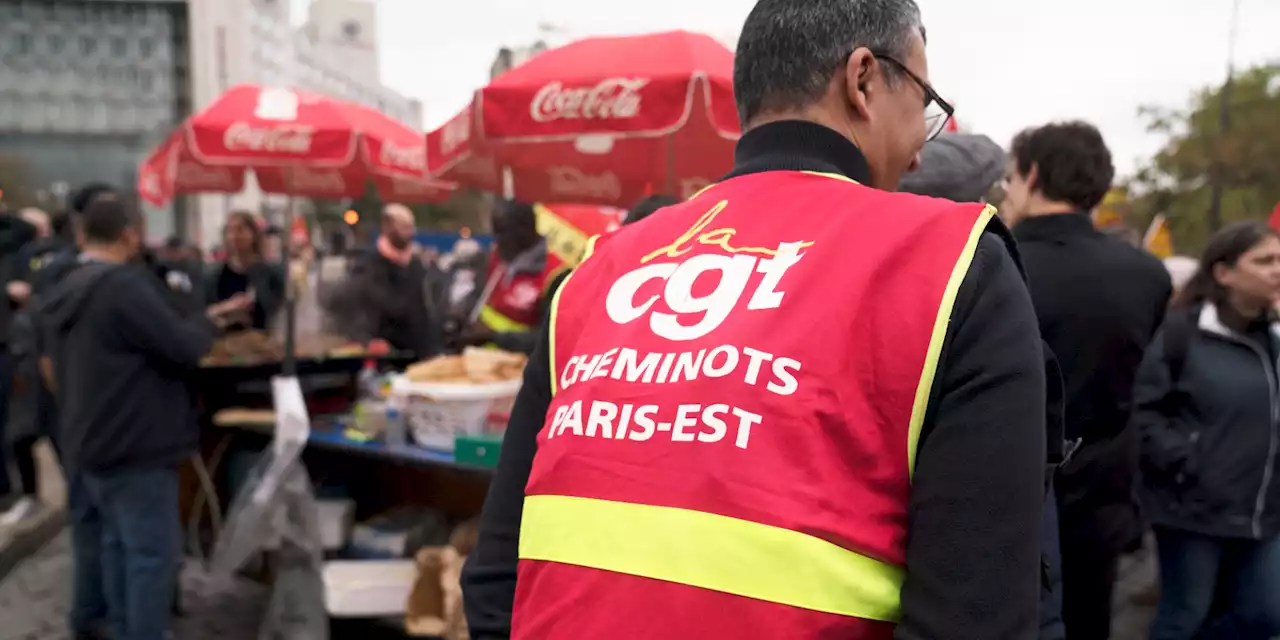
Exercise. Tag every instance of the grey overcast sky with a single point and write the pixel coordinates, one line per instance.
(1004, 64)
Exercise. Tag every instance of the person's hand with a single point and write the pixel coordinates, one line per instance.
(476, 335)
(18, 291)
(236, 303)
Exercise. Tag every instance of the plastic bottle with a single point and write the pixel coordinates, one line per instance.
(395, 435)
(369, 382)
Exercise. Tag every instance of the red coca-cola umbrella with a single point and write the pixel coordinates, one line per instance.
(297, 143)
(600, 120)
(474, 166)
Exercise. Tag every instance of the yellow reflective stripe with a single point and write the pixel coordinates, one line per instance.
(710, 551)
(833, 176)
(555, 312)
(921, 404)
(494, 319)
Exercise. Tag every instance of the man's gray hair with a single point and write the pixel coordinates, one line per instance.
(790, 49)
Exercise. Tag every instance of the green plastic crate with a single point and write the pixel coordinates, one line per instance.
(480, 451)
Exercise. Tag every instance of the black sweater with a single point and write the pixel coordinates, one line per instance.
(123, 359)
(973, 551)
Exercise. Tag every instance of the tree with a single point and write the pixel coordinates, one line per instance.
(1245, 160)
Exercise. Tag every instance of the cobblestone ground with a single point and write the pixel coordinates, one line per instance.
(35, 596)
(33, 602)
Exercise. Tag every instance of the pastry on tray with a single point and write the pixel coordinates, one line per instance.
(474, 366)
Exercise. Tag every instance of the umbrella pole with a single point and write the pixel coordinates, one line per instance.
(290, 365)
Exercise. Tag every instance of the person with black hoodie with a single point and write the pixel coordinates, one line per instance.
(122, 364)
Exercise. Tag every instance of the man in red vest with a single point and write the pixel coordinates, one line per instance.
(796, 406)
(520, 273)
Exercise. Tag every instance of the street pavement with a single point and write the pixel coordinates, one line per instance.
(34, 596)
(34, 599)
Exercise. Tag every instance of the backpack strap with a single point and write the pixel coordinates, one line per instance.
(1178, 331)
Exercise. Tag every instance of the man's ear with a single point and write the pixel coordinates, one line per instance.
(859, 69)
(1033, 178)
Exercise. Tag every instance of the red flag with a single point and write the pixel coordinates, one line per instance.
(1274, 220)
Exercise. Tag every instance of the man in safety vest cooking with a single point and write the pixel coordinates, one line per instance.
(523, 338)
(796, 406)
(513, 294)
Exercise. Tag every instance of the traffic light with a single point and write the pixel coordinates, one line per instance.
(351, 217)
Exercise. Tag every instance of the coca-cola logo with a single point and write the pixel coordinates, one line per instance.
(195, 176)
(570, 182)
(292, 138)
(316, 181)
(456, 133)
(614, 98)
(413, 158)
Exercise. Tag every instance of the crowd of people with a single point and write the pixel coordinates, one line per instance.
(104, 338)
(888, 412)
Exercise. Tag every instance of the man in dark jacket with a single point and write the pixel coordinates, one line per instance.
(122, 363)
(1098, 301)
(14, 234)
(964, 168)
(805, 77)
(387, 290)
(30, 414)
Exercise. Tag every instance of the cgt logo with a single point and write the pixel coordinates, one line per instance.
(735, 267)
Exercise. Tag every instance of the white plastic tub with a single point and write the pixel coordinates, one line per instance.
(436, 413)
(368, 588)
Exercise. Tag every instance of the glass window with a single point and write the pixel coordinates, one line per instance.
(88, 44)
(118, 46)
(146, 46)
(56, 43)
(22, 42)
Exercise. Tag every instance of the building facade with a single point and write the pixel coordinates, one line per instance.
(86, 89)
(89, 87)
(334, 52)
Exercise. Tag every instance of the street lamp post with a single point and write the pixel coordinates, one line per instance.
(1224, 124)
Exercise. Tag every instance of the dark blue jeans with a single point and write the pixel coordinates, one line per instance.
(1194, 567)
(141, 547)
(1051, 625)
(6, 387)
(88, 595)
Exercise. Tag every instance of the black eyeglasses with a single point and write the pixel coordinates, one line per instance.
(937, 112)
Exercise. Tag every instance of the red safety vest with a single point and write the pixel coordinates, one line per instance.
(739, 385)
(513, 305)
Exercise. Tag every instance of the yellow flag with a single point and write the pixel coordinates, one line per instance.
(1107, 215)
(1158, 239)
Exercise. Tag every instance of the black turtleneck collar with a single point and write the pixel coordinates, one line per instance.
(796, 145)
(1055, 226)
